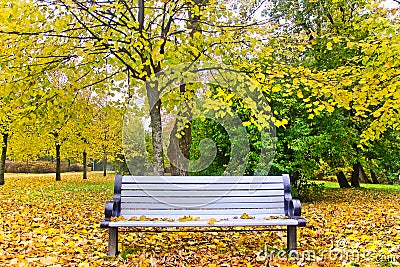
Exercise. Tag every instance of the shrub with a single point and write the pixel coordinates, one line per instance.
(307, 191)
(39, 167)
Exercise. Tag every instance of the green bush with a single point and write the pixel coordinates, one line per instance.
(307, 191)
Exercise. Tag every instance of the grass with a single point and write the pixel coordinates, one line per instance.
(385, 187)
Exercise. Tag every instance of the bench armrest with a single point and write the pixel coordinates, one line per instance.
(287, 193)
(111, 210)
(108, 212)
(294, 212)
(294, 208)
(113, 207)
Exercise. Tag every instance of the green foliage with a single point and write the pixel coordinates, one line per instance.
(307, 190)
(202, 129)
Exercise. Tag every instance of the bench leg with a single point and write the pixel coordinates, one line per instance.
(292, 240)
(112, 241)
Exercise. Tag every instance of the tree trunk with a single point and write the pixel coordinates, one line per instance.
(363, 176)
(179, 148)
(386, 175)
(3, 158)
(84, 163)
(179, 151)
(355, 176)
(373, 176)
(58, 162)
(343, 183)
(105, 167)
(69, 165)
(153, 96)
(156, 132)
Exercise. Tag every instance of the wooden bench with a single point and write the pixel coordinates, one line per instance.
(216, 203)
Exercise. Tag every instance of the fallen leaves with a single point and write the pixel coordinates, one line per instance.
(212, 221)
(246, 216)
(45, 223)
(188, 218)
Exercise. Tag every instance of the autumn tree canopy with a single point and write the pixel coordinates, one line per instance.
(63, 62)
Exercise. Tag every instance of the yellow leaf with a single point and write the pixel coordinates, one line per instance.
(246, 216)
(158, 57)
(48, 260)
(212, 221)
(300, 94)
(329, 46)
(197, 35)
(276, 88)
(376, 113)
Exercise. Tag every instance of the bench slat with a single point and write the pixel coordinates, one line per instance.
(202, 179)
(203, 200)
(229, 223)
(200, 205)
(196, 193)
(187, 212)
(206, 187)
(202, 216)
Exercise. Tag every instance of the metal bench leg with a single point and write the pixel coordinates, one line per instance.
(112, 241)
(292, 240)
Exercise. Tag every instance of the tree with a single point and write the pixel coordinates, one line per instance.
(21, 71)
(106, 132)
(147, 36)
(329, 48)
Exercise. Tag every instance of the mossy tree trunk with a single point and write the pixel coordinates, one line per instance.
(343, 183)
(58, 162)
(3, 158)
(373, 177)
(105, 166)
(355, 176)
(84, 163)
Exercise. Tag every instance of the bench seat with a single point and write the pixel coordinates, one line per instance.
(223, 223)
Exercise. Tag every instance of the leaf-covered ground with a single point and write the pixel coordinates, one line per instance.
(48, 223)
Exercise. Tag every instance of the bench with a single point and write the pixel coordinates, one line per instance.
(210, 203)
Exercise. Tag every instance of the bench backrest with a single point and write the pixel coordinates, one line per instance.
(216, 197)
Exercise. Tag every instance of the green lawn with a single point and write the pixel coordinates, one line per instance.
(386, 187)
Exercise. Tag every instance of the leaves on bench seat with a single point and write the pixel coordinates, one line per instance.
(246, 216)
(212, 221)
(141, 218)
(188, 218)
(273, 217)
